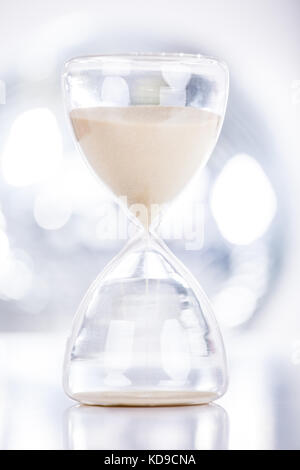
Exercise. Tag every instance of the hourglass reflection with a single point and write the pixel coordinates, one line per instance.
(190, 428)
(144, 333)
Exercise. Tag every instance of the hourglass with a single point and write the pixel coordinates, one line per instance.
(145, 334)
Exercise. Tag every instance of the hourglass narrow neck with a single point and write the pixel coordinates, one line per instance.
(144, 217)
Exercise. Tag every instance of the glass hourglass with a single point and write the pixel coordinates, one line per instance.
(145, 334)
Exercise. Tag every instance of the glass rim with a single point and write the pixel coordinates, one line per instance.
(169, 57)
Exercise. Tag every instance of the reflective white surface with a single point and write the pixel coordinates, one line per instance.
(261, 410)
(192, 427)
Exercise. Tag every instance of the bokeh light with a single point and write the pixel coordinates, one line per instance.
(15, 279)
(243, 201)
(51, 211)
(34, 148)
(234, 305)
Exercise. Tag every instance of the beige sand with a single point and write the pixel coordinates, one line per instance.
(146, 153)
(167, 398)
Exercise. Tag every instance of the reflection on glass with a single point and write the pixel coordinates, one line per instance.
(189, 428)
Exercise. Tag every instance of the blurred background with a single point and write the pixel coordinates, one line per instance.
(53, 241)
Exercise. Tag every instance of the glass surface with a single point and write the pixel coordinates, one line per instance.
(145, 333)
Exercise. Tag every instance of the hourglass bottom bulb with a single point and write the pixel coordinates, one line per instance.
(145, 335)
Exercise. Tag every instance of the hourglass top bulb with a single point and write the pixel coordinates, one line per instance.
(148, 123)
(146, 153)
